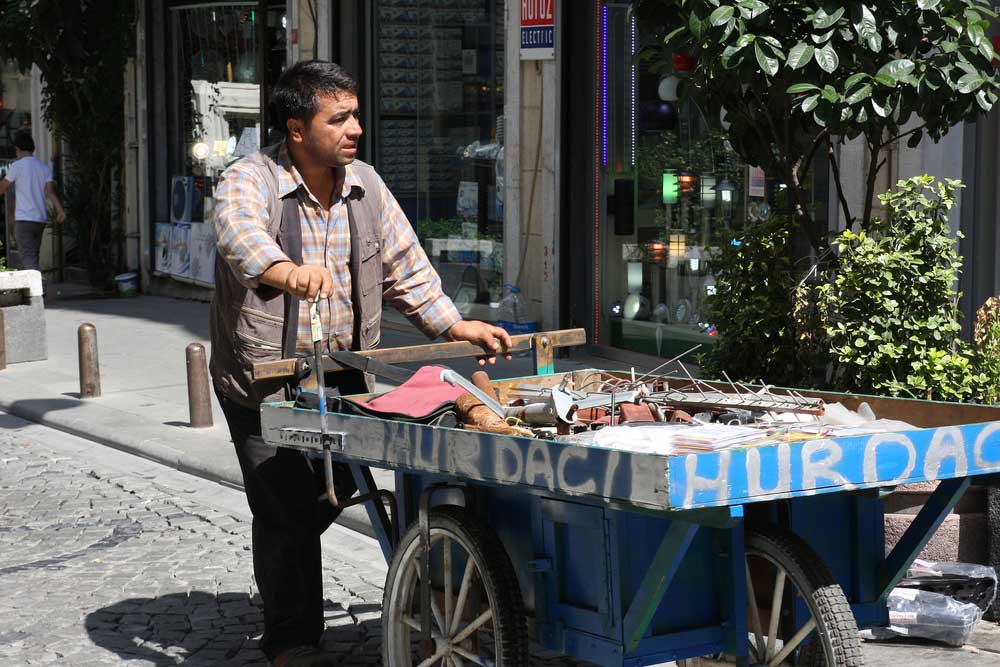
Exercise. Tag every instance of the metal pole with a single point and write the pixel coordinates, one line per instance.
(3, 343)
(90, 371)
(199, 398)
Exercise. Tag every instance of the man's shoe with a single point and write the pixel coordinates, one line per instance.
(304, 656)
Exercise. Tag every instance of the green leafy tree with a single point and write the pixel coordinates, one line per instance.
(81, 49)
(891, 311)
(755, 309)
(799, 76)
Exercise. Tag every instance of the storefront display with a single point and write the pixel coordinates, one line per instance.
(674, 189)
(215, 119)
(439, 135)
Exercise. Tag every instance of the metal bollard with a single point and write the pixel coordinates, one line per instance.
(3, 344)
(90, 371)
(199, 398)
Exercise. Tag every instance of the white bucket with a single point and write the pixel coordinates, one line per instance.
(128, 283)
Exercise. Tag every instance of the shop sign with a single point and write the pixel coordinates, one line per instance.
(758, 183)
(538, 29)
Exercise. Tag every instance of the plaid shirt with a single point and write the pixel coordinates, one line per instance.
(410, 283)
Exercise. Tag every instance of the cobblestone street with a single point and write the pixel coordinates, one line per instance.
(99, 567)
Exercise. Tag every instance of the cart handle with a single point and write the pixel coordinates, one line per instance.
(541, 344)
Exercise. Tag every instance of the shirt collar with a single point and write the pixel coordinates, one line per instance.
(290, 180)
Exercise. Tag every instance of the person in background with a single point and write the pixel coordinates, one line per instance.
(34, 186)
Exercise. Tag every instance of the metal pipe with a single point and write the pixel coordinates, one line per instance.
(90, 370)
(199, 398)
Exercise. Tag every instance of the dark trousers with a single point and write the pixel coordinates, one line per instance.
(283, 488)
(28, 235)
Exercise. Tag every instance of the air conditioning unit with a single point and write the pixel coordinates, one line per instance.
(187, 198)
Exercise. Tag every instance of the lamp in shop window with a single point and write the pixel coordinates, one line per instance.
(200, 151)
(633, 278)
(694, 258)
(688, 183)
(671, 187)
(656, 251)
(676, 249)
(708, 192)
(726, 189)
(667, 90)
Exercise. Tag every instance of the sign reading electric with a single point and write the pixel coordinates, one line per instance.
(538, 32)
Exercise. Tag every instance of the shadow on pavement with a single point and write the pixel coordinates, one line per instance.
(202, 629)
(35, 408)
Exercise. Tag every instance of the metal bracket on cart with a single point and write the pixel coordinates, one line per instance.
(423, 518)
(331, 440)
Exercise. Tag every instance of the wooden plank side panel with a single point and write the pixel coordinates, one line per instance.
(545, 466)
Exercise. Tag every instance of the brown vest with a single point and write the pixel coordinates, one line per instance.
(249, 326)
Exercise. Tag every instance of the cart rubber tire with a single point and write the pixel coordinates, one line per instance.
(495, 572)
(836, 628)
(835, 642)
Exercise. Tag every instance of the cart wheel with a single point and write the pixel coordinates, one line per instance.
(781, 567)
(478, 616)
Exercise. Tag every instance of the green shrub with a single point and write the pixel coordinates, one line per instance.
(890, 311)
(756, 309)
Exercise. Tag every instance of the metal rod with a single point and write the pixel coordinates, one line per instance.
(668, 362)
(90, 371)
(199, 397)
(317, 338)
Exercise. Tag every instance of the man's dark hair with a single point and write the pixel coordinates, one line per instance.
(24, 142)
(296, 92)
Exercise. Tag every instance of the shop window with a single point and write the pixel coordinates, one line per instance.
(674, 190)
(440, 139)
(214, 118)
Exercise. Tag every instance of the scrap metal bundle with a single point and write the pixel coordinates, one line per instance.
(603, 400)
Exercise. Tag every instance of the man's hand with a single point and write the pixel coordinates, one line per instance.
(490, 338)
(60, 217)
(309, 281)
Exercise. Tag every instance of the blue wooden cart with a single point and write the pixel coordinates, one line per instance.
(768, 555)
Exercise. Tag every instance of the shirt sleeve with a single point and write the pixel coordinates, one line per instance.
(13, 172)
(48, 175)
(410, 282)
(241, 216)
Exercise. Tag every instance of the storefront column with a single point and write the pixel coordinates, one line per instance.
(532, 195)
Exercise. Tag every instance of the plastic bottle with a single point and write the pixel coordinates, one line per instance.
(512, 315)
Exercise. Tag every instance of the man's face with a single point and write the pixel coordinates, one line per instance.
(331, 136)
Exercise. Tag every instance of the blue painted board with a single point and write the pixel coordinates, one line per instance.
(755, 474)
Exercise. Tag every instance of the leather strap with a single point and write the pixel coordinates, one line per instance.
(355, 264)
(290, 240)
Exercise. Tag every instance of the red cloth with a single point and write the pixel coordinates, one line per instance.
(419, 396)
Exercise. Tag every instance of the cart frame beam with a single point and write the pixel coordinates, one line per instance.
(941, 502)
